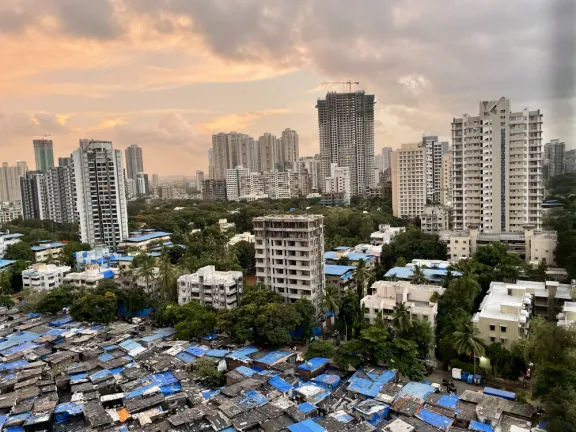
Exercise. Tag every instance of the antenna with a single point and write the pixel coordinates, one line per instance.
(349, 83)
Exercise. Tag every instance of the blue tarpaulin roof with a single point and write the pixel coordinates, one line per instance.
(274, 356)
(342, 416)
(337, 270)
(434, 419)
(430, 274)
(306, 426)
(108, 274)
(18, 364)
(197, 350)
(159, 334)
(105, 357)
(242, 353)
(64, 410)
(328, 381)
(17, 339)
(251, 399)
(99, 375)
(247, 372)
(481, 427)
(186, 357)
(367, 385)
(76, 378)
(19, 348)
(449, 401)
(499, 393)
(314, 363)
(16, 419)
(209, 394)
(145, 237)
(279, 384)
(218, 353)
(130, 345)
(6, 263)
(417, 390)
(306, 407)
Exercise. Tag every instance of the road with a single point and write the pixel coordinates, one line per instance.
(438, 375)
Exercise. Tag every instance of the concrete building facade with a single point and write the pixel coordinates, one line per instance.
(44, 277)
(134, 161)
(221, 290)
(338, 182)
(446, 180)
(10, 180)
(409, 180)
(289, 150)
(290, 255)
(233, 176)
(43, 154)
(435, 218)
(554, 158)
(214, 190)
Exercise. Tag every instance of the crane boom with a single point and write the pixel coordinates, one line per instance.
(342, 82)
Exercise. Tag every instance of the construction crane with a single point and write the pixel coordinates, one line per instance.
(342, 82)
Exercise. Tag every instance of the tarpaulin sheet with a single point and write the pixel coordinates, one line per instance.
(247, 372)
(16, 419)
(14, 429)
(370, 384)
(105, 357)
(171, 389)
(209, 394)
(18, 364)
(342, 416)
(306, 407)
(116, 371)
(163, 378)
(197, 350)
(417, 390)
(314, 363)
(434, 419)
(274, 356)
(123, 415)
(218, 353)
(481, 427)
(19, 348)
(499, 393)
(142, 390)
(74, 379)
(61, 321)
(185, 357)
(159, 334)
(448, 401)
(328, 381)
(306, 426)
(17, 339)
(64, 410)
(99, 375)
(251, 399)
(279, 384)
(242, 353)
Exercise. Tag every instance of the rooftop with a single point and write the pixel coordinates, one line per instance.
(337, 270)
(433, 275)
(46, 246)
(145, 237)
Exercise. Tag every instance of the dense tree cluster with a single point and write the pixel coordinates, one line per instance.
(411, 245)
(36, 230)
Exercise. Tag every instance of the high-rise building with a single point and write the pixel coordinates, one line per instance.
(434, 152)
(346, 125)
(312, 166)
(497, 168)
(289, 150)
(199, 180)
(290, 255)
(214, 190)
(211, 167)
(446, 181)
(233, 182)
(220, 155)
(142, 186)
(155, 181)
(570, 161)
(134, 161)
(386, 158)
(553, 158)
(281, 184)
(269, 157)
(34, 195)
(10, 211)
(409, 180)
(100, 193)
(43, 154)
(217, 289)
(252, 186)
(10, 180)
(338, 182)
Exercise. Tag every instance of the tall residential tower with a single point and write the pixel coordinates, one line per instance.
(134, 161)
(43, 154)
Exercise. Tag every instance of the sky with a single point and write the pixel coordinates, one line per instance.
(167, 74)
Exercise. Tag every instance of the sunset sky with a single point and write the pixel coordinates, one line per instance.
(166, 74)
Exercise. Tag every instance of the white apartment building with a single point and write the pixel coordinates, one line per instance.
(199, 180)
(497, 168)
(434, 152)
(233, 176)
(246, 237)
(312, 166)
(346, 127)
(533, 246)
(409, 181)
(221, 290)
(416, 298)
(100, 193)
(290, 255)
(435, 218)
(568, 315)
(7, 240)
(289, 150)
(10, 180)
(281, 185)
(338, 182)
(90, 277)
(446, 180)
(61, 192)
(385, 234)
(46, 251)
(44, 277)
(251, 184)
(10, 211)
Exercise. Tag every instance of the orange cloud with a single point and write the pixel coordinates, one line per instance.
(238, 121)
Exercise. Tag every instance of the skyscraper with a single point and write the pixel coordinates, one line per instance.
(199, 180)
(134, 161)
(409, 180)
(346, 126)
(142, 186)
(10, 180)
(386, 158)
(434, 152)
(43, 154)
(497, 168)
(100, 193)
(34, 195)
(553, 158)
(289, 150)
(269, 152)
(233, 182)
(155, 181)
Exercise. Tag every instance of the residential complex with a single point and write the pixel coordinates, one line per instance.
(218, 289)
(10, 180)
(497, 168)
(446, 180)
(567, 317)
(346, 127)
(416, 298)
(142, 240)
(100, 193)
(281, 185)
(134, 161)
(553, 159)
(269, 154)
(386, 158)
(290, 255)
(435, 218)
(311, 172)
(409, 180)
(289, 150)
(7, 240)
(43, 154)
(244, 237)
(252, 186)
(44, 277)
(47, 251)
(10, 211)
(338, 182)
(214, 190)
(435, 150)
(199, 180)
(233, 176)
(385, 234)
(90, 277)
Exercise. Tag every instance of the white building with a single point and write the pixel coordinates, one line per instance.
(46, 251)
(199, 180)
(497, 168)
(568, 315)
(141, 240)
(281, 185)
(434, 151)
(290, 255)
(446, 180)
(90, 277)
(312, 166)
(44, 277)
(10, 180)
(224, 225)
(289, 150)
(7, 240)
(221, 290)
(247, 237)
(385, 234)
(416, 298)
(338, 182)
(346, 125)
(554, 158)
(233, 176)
(435, 218)
(100, 193)
(251, 184)
(10, 211)
(409, 180)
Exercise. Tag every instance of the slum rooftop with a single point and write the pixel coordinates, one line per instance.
(63, 375)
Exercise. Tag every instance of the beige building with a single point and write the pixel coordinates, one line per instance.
(446, 180)
(435, 218)
(415, 297)
(533, 246)
(568, 315)
(221, 290)
(409, 180)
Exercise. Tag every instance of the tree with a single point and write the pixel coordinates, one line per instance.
(400, 262)
(19, 251)
(275, 322)
(418, 276)
(95, 308)
(361, 275)
(448, 277)
(331, 299)
(68, 251)
(307, 316)
(145, 269)
(413, 244)
(205, 369)
(349, 316)
(167, 277)
(421, 333)
(56, 300)
(15, 271)
(404, 357)
(401, 319)
(537, 272)
(350, 354)
(505, 362)
(6, 301)
(320, 348)
(246, 253)
(466, 341)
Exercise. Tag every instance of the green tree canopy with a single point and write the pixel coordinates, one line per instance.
(411, 245)
(19, 251)
(320, 348)
(245, 252)
(57, 299)
(67, 254)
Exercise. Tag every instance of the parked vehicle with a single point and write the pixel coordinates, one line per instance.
(449, 384)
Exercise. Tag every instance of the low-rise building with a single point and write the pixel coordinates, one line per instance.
(532, 246)
(434, 275)
(7, 240)
(385, 234)
(9, 211)
(340, 276)
(346, 256)
(45, 251)
(221, 290)
(44, 277)
(246, 237)
(133, 280)
(224, 225)
(416, 298)
(568, 315)
(435, 218)
(90, 277)
(142, 241)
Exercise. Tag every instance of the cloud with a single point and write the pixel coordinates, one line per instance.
(25, 125)
(239, 121)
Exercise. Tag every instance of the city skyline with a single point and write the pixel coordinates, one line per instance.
(167, 80)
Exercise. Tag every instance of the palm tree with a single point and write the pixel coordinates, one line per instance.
(418, 276)
(146, 271)
(401, 319)
(331, 300)
(361, 278)
(448, 277)
(392, 278)
(467, 341)
(167, 276)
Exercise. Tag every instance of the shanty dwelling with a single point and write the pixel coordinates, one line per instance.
(495, 410)
(372, 411)
(313, 367)
(240, 357)
(270, 359)
(368, 384)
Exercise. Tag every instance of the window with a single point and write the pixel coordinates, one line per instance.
(492, 328)
(502, 329)
(492, 339)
